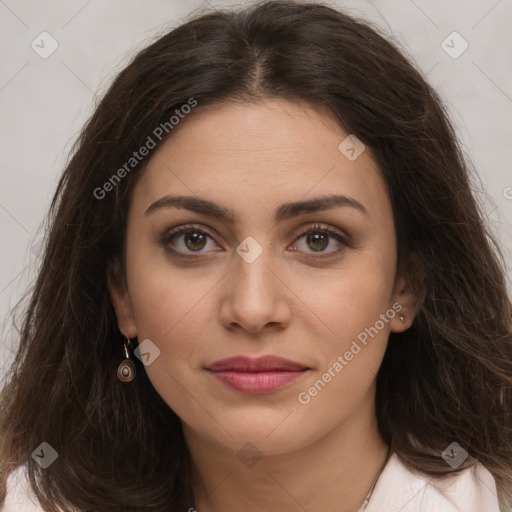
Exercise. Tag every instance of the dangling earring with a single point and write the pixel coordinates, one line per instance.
(126, 370)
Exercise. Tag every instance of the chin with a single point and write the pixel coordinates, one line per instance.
(266, 437)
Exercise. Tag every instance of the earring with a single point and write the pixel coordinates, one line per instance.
(402, 318)
(126, 371)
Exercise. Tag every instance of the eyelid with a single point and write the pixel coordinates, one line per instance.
(184, 229)
(321, 227)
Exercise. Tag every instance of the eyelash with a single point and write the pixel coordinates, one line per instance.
(191, 228)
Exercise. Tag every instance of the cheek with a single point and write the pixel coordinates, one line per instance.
(357, 312)
(355, 296)
(170, 307)
(172, 310)
(355, 306)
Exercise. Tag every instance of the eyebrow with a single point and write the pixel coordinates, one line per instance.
(283, 212)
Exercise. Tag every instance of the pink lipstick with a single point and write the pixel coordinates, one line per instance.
(257, 375)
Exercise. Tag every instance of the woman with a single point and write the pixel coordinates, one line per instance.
(267, 286)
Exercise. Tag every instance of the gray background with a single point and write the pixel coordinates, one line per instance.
(45, 102)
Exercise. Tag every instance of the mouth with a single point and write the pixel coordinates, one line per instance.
(257, 375)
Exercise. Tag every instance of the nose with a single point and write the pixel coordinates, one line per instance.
(254, 297)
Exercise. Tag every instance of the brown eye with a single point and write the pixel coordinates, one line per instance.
(187, 240)
(319, 239)
(195, 241)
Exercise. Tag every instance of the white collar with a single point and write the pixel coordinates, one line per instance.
(399, 489)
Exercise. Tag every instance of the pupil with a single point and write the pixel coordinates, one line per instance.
(191, 239)
(315, 238)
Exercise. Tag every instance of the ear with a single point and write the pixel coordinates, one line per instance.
(409, 292)
(120, 298)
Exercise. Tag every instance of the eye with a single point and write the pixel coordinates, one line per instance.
(187, 239)
(318, 239)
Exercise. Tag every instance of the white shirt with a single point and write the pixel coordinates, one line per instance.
(400, 490)
(397, 490)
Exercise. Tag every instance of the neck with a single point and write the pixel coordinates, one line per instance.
(332, 473)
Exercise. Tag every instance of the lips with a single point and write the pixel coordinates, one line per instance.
(260, 364)
(256, 375)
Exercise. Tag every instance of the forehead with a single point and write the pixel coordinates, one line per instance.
(247, 154)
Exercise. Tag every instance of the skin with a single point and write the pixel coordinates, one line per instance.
(251, 158)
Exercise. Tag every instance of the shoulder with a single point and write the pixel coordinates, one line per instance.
(19, 496)
(400, 489)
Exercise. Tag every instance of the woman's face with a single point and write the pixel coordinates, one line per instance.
(272, 264)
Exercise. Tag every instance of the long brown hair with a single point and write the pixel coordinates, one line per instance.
(447, 378)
